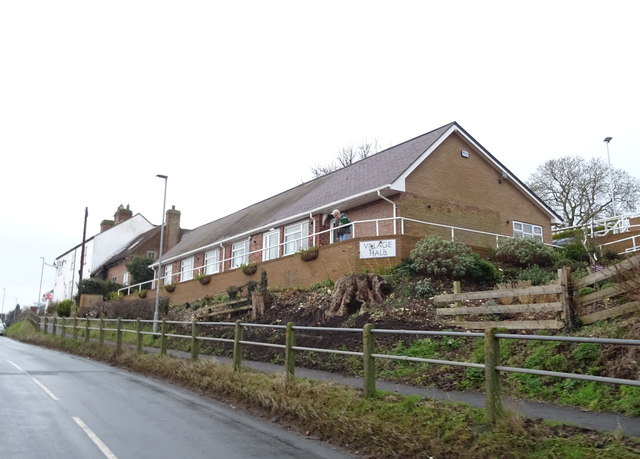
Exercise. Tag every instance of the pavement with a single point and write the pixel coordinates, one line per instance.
(601, 421)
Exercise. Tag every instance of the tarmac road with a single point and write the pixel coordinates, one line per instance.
(54, 405)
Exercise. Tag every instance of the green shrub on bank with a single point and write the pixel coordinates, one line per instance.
(439, 258)
(524, 252)
(65, 307)
(536, 275)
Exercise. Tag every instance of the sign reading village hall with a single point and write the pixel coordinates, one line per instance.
(378, 249)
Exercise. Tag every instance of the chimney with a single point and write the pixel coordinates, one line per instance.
(122, 214)
(105, 225)
(173, 233)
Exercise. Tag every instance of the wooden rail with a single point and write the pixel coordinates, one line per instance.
(625, 272)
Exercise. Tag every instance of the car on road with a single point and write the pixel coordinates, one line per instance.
(1, 328)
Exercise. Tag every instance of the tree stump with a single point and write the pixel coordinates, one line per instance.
(260, 301)
(355, 293)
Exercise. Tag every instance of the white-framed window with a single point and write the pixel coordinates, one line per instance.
(186, 269)
(239, 254)
(296, 237)
(271, 245)
(212, 261)
(168, 274)
(125, 278)
(527, 230)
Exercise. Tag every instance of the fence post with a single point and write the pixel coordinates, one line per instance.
(119, 335)
(53, 326)
(75, 327)
(139, 336)
(63, 331)
(289, 353)
(368, 362)
(101, 332)
(163, 338)
(195, 343)
(566, 283)
(86, 330)
(457, 289)
(493, 402)
(45, 325)
(237, 346)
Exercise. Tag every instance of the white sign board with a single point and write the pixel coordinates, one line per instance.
(384, 248)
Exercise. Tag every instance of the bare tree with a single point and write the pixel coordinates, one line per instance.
(579, 190)
(346, 157)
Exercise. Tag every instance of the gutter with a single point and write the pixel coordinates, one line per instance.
(279, 223)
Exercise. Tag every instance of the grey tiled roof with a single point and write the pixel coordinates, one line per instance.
(371, 173)
(321, 194)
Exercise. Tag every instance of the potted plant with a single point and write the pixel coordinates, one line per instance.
(170, 287)
(249, 268)
(203, 278)
(308, 254)
(142, 293)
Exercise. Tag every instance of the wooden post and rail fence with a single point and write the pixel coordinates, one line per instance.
(565, 303)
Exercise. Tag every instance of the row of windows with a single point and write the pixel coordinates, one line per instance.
(295, 238)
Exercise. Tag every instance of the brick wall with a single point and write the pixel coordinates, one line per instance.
(333, 262)
(468, 192)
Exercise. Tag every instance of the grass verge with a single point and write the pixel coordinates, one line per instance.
(388, 425)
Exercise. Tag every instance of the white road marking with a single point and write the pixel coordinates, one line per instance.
(40, 385)
(94, 438)
(43, 387)
(19, 369)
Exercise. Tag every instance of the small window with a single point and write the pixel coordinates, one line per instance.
(186, 269)
(527, 230)
(125, 278)
(296, 237)
(212, 262)
(239, 254)
(271, 245)
(168, 274)
(152, 254)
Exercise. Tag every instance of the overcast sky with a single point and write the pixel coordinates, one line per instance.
(235, 101)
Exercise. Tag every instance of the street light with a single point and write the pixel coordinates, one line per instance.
(613, 200)
(164, 204)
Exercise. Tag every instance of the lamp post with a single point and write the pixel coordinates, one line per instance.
(613, 200)
(159, 272)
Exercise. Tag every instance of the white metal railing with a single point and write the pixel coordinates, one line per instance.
(635, 244)
(603, 226)
(395, 222)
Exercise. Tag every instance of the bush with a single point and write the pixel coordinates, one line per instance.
(484, 271)
(575, 251)
(95, 286)
(139, 269)
(536, 275)
(424, 289)
(65, 307)
(438, 257)
(523, 252)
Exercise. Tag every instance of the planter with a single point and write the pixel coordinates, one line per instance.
(170, 288)
(249, 270)
(142, 293)
(308, 256)
(204, 280)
